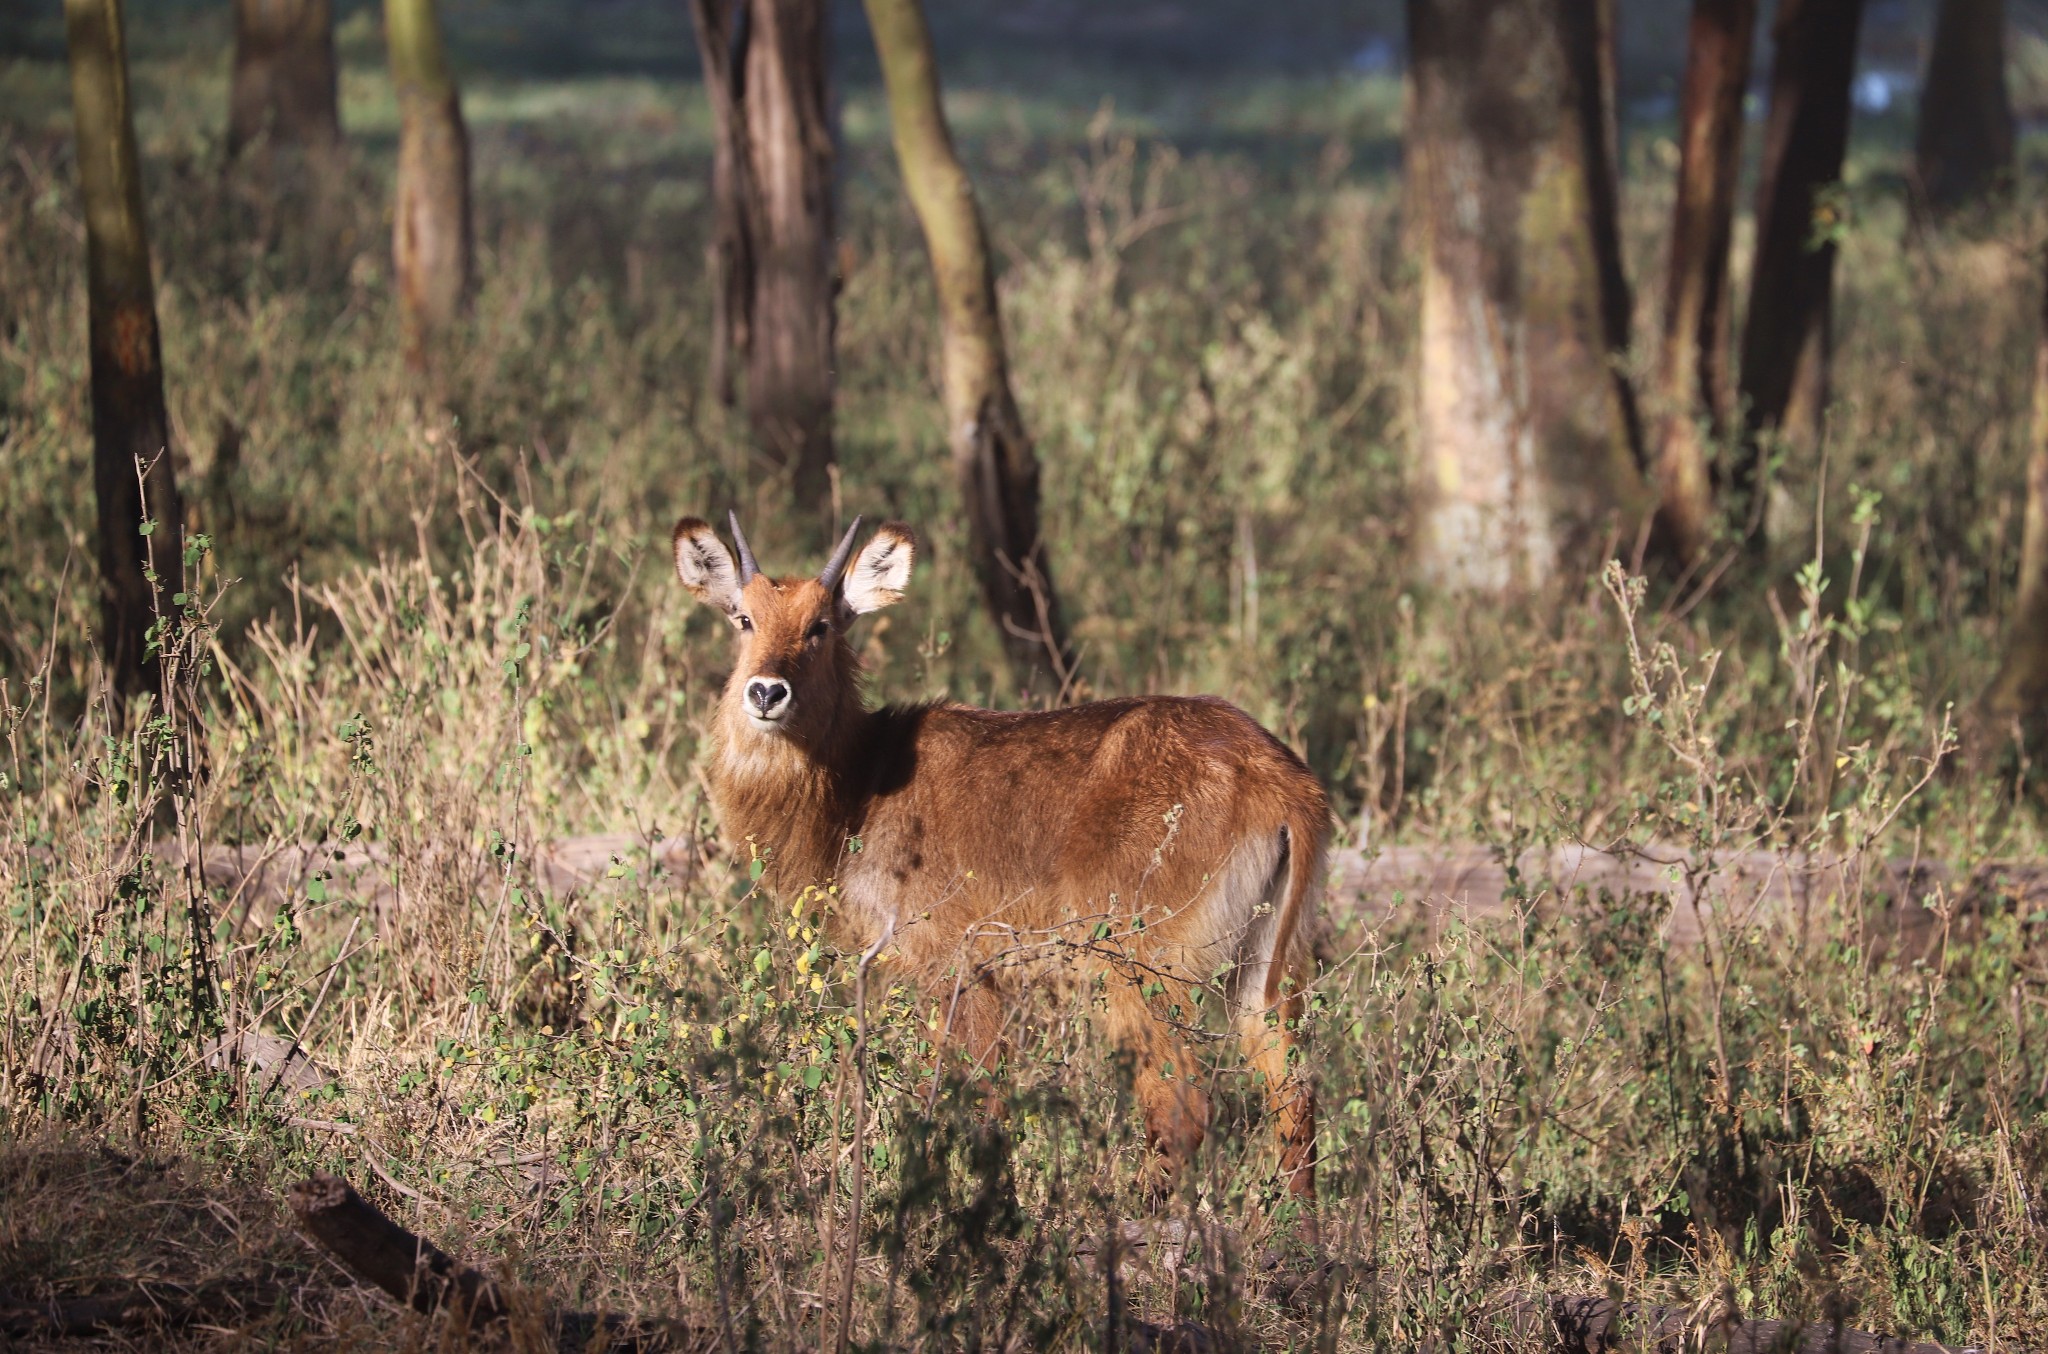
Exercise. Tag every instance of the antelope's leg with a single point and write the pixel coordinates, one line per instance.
(1271, 1038)
(1144, 1019)
(973, 1026)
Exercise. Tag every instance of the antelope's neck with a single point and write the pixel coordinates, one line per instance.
(782, 799)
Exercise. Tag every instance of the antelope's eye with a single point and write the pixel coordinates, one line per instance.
(818, 629)
(744, 622)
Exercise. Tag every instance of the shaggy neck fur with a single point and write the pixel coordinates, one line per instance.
(791, 793)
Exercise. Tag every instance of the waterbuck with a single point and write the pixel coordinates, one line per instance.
(1156, 844)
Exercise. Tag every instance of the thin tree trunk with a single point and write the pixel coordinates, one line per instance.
(992, 454)
(774, 278)
(1785, 339)
(722, 33)
(1694, 378)
(284, 76)
(2020, 690)
(1528, 441)
(1964, 149)
(431, 238)
(133, 477)
(790, 151)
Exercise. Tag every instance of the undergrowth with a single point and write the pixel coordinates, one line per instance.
(429, 636)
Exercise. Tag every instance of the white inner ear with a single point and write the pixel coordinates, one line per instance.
(707, 571)
(878, 573)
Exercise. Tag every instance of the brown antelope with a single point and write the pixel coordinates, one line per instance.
(1161, 843)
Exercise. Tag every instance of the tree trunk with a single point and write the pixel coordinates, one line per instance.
(2020, 690)
(1964, 149)
(722, 33)
(789, 144)
(133, 477)
(774, 278)
(1694, 378)
(431, 237)
(1528, 442)
(1785, 335)
(992, 454)
(284, 77)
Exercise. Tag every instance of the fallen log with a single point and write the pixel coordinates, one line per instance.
(416, 1272)
(156, 1306)
(1584, 1324)
(421, 1275)
(1901, 905)
(367, 871)
(1570, 1323)
(1180, 1337)
(269, 1059)
(1901, 908)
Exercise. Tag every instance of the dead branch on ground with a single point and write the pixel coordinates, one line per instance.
(234, 1301)
(1904, 904)
(416, 1272)
(1583, 1324)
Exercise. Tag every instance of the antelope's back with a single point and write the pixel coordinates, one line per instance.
(1029, 820)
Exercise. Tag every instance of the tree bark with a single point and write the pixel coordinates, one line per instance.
(284, 76)
(789, 141)
(1528, 441)
(2019, 692)
(722, 33)
(1964, 149)
(775, 283)
(432, 244)
(133, 477)
(1694, 378)
(1785, 340)
(992, 454)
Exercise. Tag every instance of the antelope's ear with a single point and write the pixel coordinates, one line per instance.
(877, 575)
(705, 566)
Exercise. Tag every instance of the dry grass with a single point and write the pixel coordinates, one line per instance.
(451, 632)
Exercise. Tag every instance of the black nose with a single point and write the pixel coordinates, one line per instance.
(765, 693)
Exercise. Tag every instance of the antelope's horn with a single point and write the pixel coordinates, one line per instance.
(739, 538)
(837, 564)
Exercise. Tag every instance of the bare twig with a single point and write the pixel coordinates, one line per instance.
(314, 1014)
(860, 1100)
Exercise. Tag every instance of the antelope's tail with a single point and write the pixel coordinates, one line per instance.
(1307, 835)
